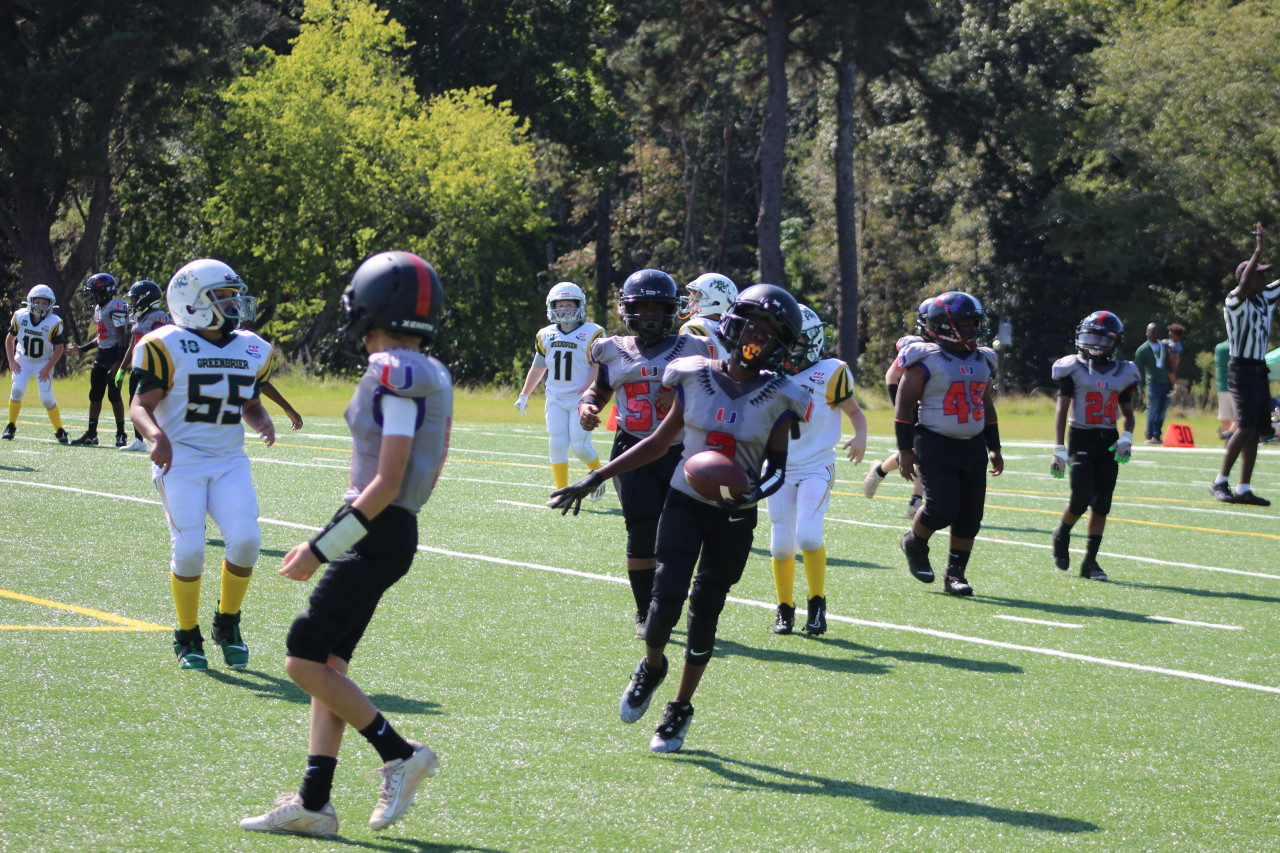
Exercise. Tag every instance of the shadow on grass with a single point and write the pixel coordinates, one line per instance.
(763, 551)
(270, 552)
(1057, 609)
(1201, 593)
(947, 661)
(22, 469)
(1048, 534)
(854, 666)
(409, 845)
(269, 686)
(750, 775)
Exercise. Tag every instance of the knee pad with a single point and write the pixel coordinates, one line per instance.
(1101, 505)
(113, 393)
(244, 542)
(782, 542)
(97, 384)
(305, 639)
(641, 536)
(966, 528)
(188, 554)
(1079, 503)
(932, 519)
(705, 604)
(558, 446)
(809, 533)
(17, 392)
(46, 398)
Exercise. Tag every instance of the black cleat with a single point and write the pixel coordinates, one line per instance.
(785, 619)
(9, 432)
(1091, 570)
(121, 439)
(956, 585)
(1250, 499)
(1061, 556)
(817, 623)
(917, 557)
(1222, 491)
(639, 692)
(89, 439)
(669, 736)
(61, 436)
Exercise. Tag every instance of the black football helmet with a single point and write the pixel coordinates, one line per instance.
(649, 286)
(922, 319)
(100, 288)
(398, 291)
(143, 297)
(767, 307)
(956, 318)
(1098, 336)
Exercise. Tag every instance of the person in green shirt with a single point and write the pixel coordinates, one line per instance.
(1226, 405)
(1152, 359)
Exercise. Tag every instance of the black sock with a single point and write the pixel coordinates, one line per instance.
(317, 782)
(1091, 549)
(119, 427)
(957, 561)
(1063, 531)
(642, 587)
(386, 740)
(879, 471)
(93, 426)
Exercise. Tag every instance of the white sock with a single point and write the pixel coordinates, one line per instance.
(1242, 488)
(1219, 479)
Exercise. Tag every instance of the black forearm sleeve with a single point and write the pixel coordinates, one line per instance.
(774, 472)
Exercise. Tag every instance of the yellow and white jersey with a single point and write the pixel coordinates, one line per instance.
(567, 358)
(34, 342)
(829, 383)
(205, 386)
(704, 327)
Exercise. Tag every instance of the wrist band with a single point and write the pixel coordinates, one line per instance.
(340, 535)
(991, 432)
(905, 433)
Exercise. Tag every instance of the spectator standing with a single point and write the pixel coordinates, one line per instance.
(1226, 406)
(1152, 359)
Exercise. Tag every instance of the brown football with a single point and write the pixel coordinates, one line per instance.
(715, 476)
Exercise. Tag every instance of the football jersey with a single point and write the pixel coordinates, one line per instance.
(705, 327)
(149, 322)
(35, 341)
(567, 358)
(206, 384)
(112, 322)
(1095, 395)
(906, 340)
(635, 375)
(828, 384)
(735, 419)
(414, 376)
(951, 403)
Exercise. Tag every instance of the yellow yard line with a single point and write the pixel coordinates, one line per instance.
(126, 623)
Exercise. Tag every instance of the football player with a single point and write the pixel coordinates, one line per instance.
(111, 319)
(148, 315)
(33, 347)
(399, 418)
(949, 376)
(798, 508)
(563, 355)
(1096, 388)
(740, 407)
(710, 295)
(892, 376)
(631, 367)
(197, 380)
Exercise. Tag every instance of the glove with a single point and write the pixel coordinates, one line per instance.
(751, 496)
(1058, 467)
(522, 406)
(570, 497)
(1123, 448)
(119, 377)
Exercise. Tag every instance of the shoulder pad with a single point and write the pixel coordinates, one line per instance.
(407, 374)
(914, 353)
(1065, 366)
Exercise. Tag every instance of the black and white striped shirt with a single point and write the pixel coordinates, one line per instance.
(1249, 322)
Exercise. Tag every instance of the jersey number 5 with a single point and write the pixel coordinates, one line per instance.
(216, 407)
(961, 402)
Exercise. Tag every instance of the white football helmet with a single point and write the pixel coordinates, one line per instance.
(193, 304)
(567, 290)
(40, 291)
(710, 295)
(808, 349)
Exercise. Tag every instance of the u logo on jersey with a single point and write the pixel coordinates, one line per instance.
(966, 369)
(720, 417)
(648, 372)
(406, 373)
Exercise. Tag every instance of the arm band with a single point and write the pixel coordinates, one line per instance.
(991, 432)
(774, 473)
(905, 433)
(340, 535)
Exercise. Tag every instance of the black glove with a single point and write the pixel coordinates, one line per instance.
(570, 497)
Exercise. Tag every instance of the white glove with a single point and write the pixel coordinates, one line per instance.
(522, 403)
(1123, 447)
(1058, 467)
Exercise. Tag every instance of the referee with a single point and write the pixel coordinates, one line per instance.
(1248, 314)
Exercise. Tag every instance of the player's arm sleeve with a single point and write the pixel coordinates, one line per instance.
(153, 365)
(399, 415)
(57, 335)
(840, 387)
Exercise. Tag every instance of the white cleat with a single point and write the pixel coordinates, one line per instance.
(872, 483)
(914, 504)
(289, 816)
(135, 446)
(400, 780)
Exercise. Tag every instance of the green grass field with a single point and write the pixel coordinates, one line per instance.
(1046, 713)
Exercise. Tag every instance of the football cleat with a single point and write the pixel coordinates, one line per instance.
(913, 505)
(135, 446)
(639, 692)
(61, 436)
(1250, 499)
(1091, 570)
(290, 816)
(400, 780)
(121, 439)
(9, 432)
(817, 623)
(1061, 556)
(785, 619)
(956, 585)
(1222, 491)
(917, 553)
(189, 647)
(226, 633)
(89, 439)
(872, 482)
(669, 736)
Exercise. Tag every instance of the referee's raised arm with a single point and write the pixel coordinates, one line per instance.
(1247, 283)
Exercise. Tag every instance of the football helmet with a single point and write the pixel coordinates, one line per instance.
(956, 318)
(193, 304)
(649, 286)
(100, 288)
(397, 291)
(143, 297)
(567, 316)
(40, 291)
(922, 319)
(710, 295)
(1098, 336)
(767, 307)
(808, 347)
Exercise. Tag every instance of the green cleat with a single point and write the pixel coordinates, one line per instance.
(226, 633)
(189, 647)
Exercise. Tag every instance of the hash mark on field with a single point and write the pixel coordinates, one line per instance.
(1196, 624)
(1037, 621)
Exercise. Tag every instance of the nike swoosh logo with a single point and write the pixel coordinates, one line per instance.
(382, 731)
(707, 652)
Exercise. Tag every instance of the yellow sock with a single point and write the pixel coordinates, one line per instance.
(594, 464)
(186, 600)
(15, 406)
(815, 570)
(55, 418)
(560, 473)
(784, 578)
(233, 589)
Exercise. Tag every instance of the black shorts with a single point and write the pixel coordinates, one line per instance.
(642, 493)
(1251, 392)
(953, 472)
(1093, 469)
(348, 592)
(107, 358)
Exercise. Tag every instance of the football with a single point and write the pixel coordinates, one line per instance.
(715, 476)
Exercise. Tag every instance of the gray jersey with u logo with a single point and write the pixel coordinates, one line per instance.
(635, 373)
(952, 402)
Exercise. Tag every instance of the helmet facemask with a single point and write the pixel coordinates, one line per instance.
(649, 327)
(756, 343)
